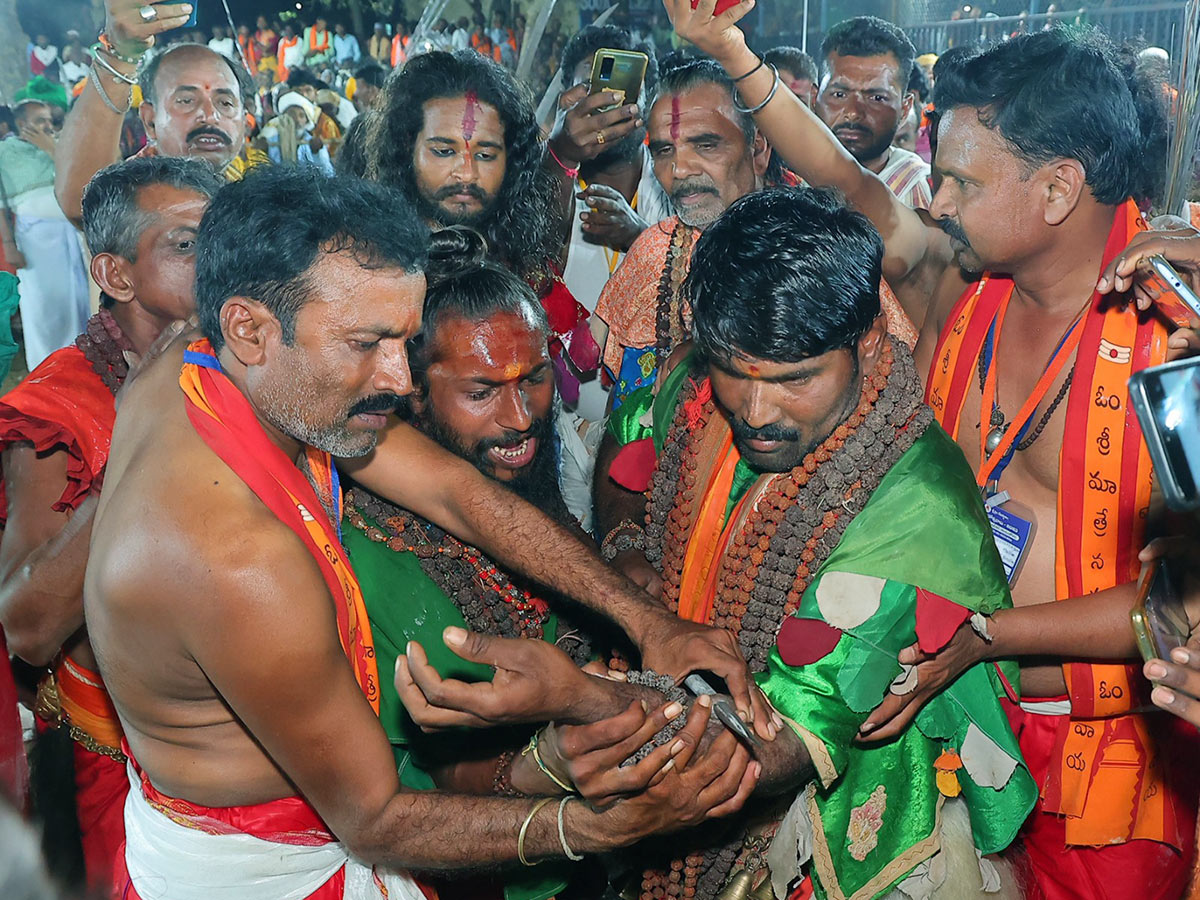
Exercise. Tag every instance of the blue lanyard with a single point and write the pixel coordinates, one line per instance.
(988, 349)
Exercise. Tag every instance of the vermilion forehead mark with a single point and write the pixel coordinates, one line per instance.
(754, 371)
(675, 117)
(469, 113)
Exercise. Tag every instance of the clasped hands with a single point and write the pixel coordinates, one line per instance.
(598, 721)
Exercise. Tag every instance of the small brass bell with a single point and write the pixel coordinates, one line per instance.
(738, 888)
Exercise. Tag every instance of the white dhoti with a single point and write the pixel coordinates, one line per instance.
(167, 860)
(54, 287)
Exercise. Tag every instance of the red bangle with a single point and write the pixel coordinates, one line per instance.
(571, 173)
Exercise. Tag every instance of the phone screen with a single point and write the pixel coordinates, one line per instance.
(1173, 397)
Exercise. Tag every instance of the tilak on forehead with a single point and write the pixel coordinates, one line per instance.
(469, 111)
(674, 117)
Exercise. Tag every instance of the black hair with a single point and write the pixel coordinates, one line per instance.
(794, 60)
(918, 84)
(784, 274)
(1065, 94)
(352, 158)
(261, 236)
(148, 76)
(869, 36)
(520, 230)
(299, 77)
(590, 38)
(462, 283)
(679, 75)
(7, 117)
(371, 73)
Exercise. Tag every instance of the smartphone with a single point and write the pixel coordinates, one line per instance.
(722, 5)
(1160, 622)
(1166, 399)
(619, 71)
(1161, 278)
(191, 22)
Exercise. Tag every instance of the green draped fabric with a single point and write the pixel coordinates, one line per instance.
(924, 527)
(404, 604)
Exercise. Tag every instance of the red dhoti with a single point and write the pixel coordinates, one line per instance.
(1141, 869)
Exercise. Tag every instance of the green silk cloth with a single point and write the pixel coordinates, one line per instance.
(875, 808)
(404, 604)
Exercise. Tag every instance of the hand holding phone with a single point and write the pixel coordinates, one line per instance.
(620, 72)
(1160, 621)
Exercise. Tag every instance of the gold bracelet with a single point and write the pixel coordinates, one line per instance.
(532, 750)
(525, 828)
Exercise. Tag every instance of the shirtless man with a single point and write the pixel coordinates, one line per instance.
(140, 218)
(1029, 192)
(226, 620)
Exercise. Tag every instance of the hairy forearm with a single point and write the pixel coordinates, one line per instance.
(90, 140)
(440, 832)
(812, 151)
(1095, 626)
(41, 596)
(523, 539)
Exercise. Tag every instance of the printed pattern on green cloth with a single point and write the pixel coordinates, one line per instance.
(883, 799)
(403, 604)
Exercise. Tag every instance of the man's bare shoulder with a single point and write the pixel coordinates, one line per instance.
(176, 522)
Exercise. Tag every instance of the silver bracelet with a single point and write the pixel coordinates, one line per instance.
(562, 834)
(108, 67)
(95, 80)
(770, 96)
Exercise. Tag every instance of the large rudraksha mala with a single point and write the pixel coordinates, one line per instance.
(795, 524)
(670, 325)
(104, 346)
(489, 601)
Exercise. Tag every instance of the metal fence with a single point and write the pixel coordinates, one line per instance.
(1158, 24)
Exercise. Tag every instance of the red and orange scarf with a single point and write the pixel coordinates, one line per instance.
(1104, 484)
(225, 421)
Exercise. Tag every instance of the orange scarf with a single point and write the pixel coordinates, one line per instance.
(224, 420)
(313, 46)
(1104, 483)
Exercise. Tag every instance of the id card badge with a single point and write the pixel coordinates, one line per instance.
(1013, 528)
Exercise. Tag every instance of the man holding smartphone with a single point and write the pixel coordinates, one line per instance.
(194, 101)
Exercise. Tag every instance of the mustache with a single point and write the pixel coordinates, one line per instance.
(772, 432)
(857, 129)
(471, 190)
(209, 131)
(693, 186)
(952, 228)
(377, 403)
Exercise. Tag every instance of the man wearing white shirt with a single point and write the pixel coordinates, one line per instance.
(461, 39)
(222, 43)
(41, 54)
(54, 288)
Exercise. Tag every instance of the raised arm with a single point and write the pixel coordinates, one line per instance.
(413, 471)
(798, 136)
(91, 137)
